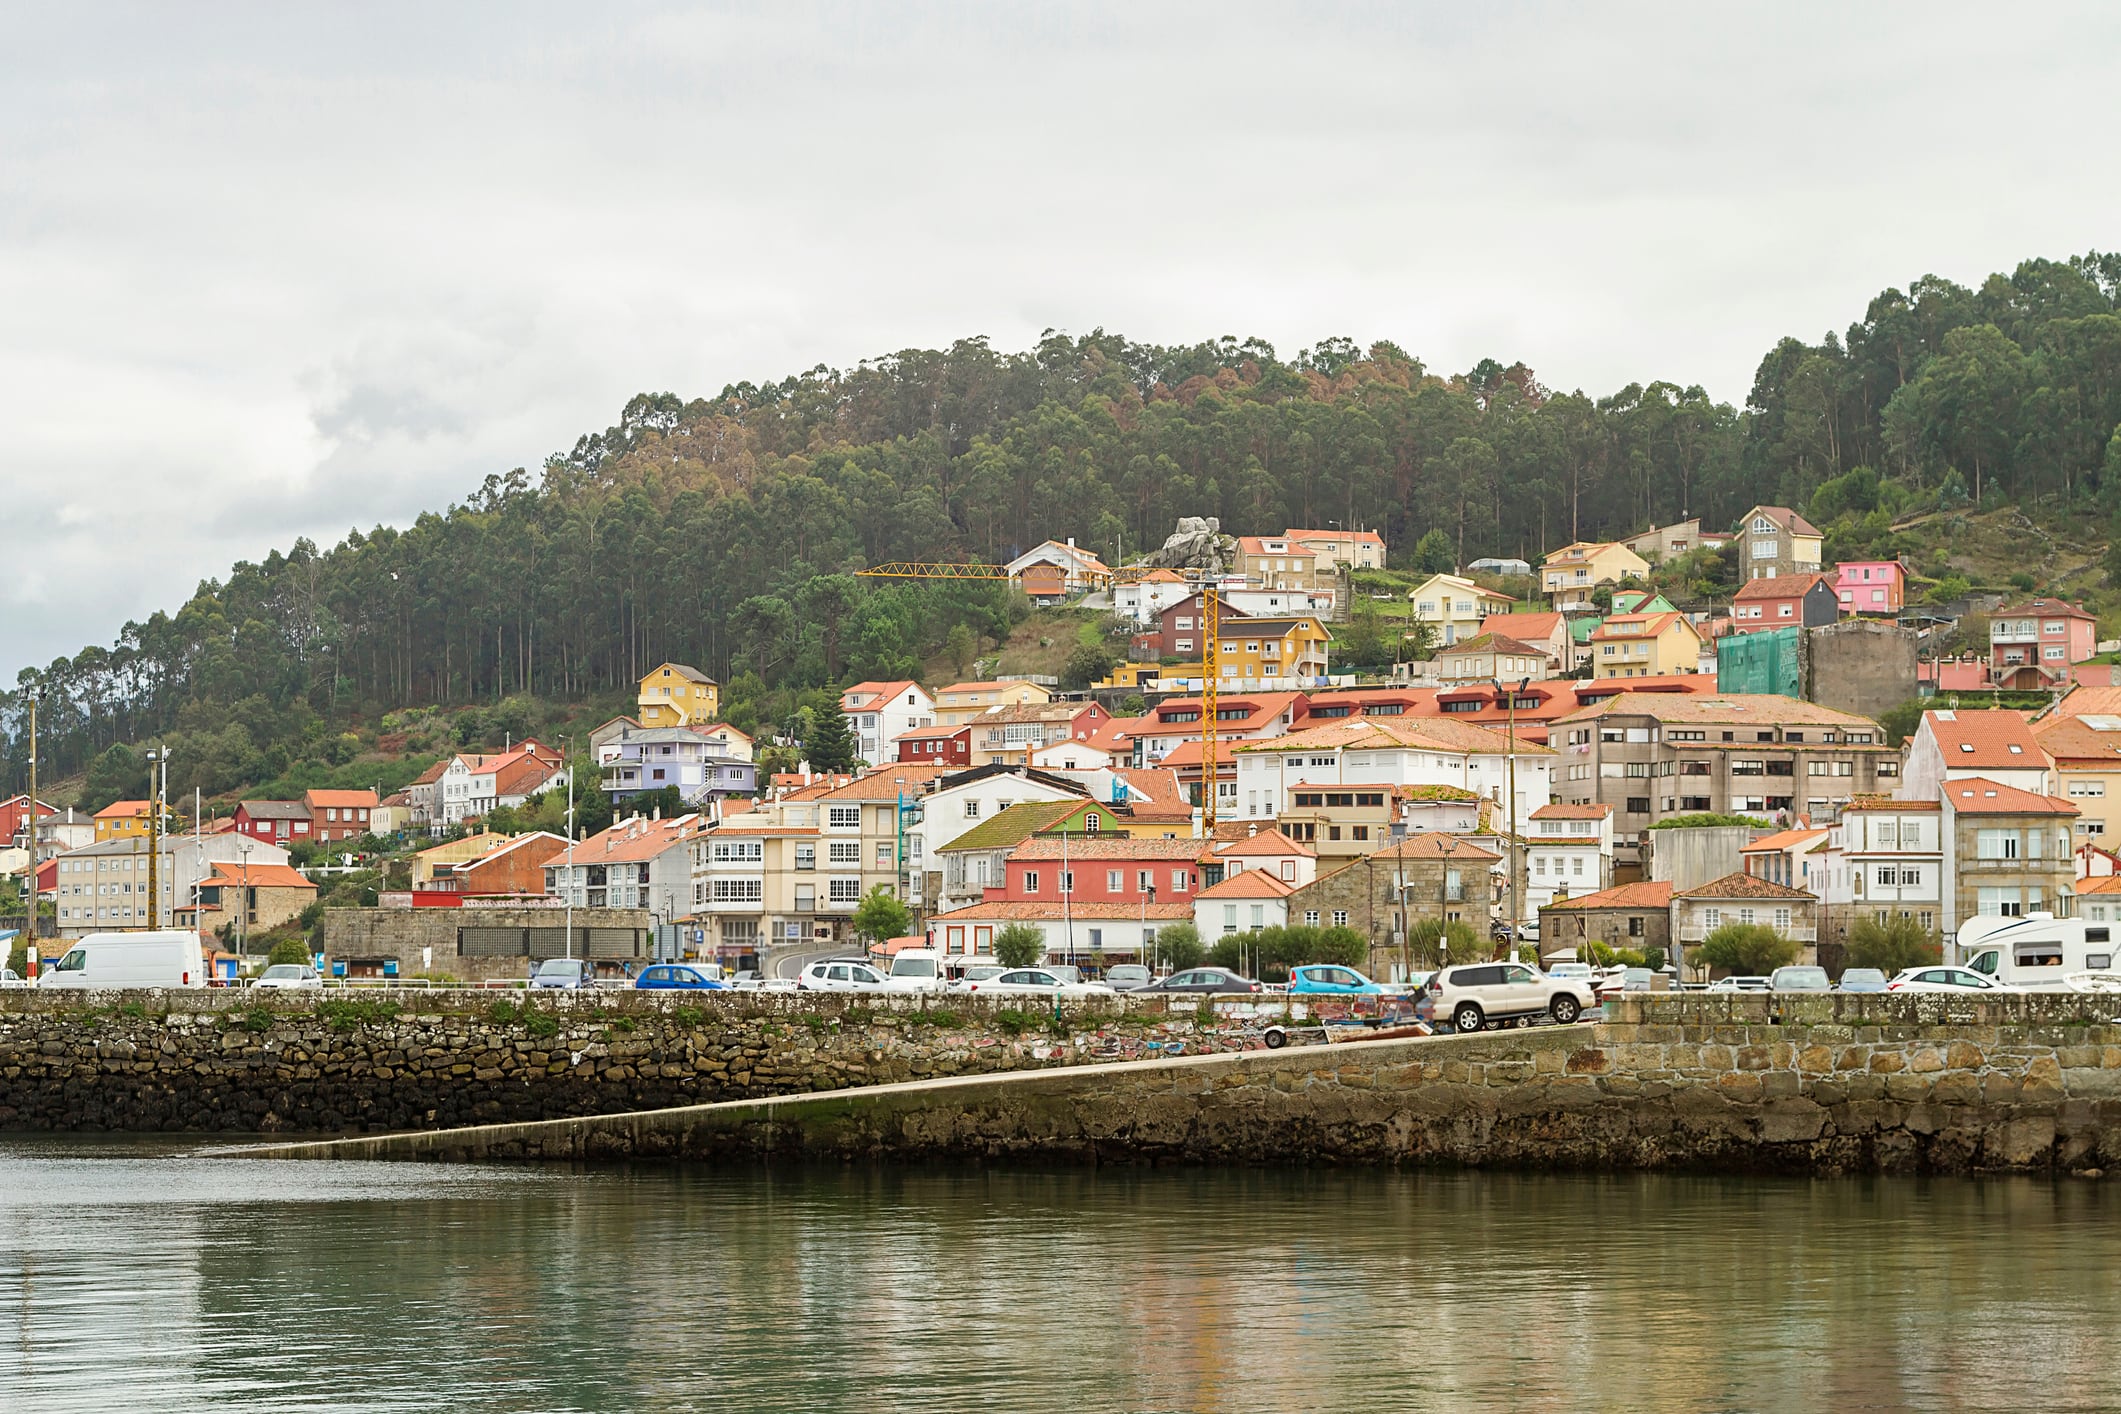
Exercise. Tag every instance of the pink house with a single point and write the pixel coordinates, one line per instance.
(2037, 643)
(1870, 586)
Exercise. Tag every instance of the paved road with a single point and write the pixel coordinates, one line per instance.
(789, 964)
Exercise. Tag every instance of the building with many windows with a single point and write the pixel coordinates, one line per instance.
(1571, 575)
(879, 713)
(2007, 852)
(2087, 755)
(1774, 541)
(1569, 851)
(2038, 644)
(102, 887)
(1884, 858)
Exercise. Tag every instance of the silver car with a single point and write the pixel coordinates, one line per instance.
(293, 976)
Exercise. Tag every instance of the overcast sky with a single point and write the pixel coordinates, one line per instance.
(265, 272)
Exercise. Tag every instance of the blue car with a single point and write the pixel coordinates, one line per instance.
(1324, 979)
(675, 977)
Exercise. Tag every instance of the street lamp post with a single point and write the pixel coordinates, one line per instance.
(1148, 897)
(1516, 884)
(157, 762)
(244, 845)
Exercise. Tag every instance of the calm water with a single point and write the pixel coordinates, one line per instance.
(134, 1277)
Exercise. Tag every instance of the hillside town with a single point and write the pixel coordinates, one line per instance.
(1561, 759)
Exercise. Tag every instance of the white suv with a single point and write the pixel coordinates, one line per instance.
(842, 975)
(1476, 994)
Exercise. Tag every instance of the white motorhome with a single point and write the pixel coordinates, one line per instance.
(2037, 951)
(168, 958)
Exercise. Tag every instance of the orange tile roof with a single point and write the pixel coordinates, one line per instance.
(1788, 586)
(1782, 516)
(890, 782)
(2088, 702)
(342, 799)
(1782, 840)
(2104, 884)
(1268, 842)
(257, 876)
(122, 810)
(635, 841)
(2077, 741)
(1560, 811)
(432, 774)
(877, 691)
(1743, 886)
(1525, 626)
(1362, 537)
(1983, 740)
(2044, 609)
(1488, 641)
(1887, 805)
(1645, 894)
(1438, 734)
(1161, 793)
(1249, 883)
(1976, 795)
(1435, 845)
(936, 732)
(1625, 626)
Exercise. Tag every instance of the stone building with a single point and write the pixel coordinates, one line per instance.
(478, 944)
(1748, 899)
(1424, 877)
(1634, 915)
(2007, 852)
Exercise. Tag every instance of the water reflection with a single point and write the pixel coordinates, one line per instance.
(145, 1278)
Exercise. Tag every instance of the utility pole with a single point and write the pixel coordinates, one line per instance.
(29, 881)
(155, 756)
(243, 849)
(569, 944)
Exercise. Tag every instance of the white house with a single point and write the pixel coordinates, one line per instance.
(1995, 745)
(970, 798)
(879, 713)
(1568, 853)
(1883, 858)
(1399, 753)
(472, 785)
(1269, 852)
(1242, 903)
(1145, 600)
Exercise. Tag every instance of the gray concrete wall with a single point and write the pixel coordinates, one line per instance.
(1828, 1085)
(1692, 857)
(1864, 666)
(471, 944)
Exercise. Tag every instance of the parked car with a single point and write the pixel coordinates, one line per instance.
(1128, 977)
(978, 972)
(569, 973)
(1322, 979)
(676, 977)
(10, 978)
(1476, 994)
(840, 975)
(747, 979)
(1203, 979)
(292, 976)
(1945, 979)
(1577, 971)
(916, 970)
(1799, 979)
(1863, 979)
(1741, 984)
(1037, 982)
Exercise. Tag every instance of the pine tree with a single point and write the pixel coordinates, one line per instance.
(830, 745)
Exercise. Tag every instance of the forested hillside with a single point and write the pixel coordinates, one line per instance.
(721, 531)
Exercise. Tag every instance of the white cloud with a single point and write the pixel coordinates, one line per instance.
(275, 272)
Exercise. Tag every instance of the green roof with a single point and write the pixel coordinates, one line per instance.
(1016, 824)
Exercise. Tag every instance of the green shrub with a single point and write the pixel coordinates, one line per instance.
(1019, 945)
(1423, 935)
(1893, 946)
(1750, 949)
(288, 950)
(1178, 946)
(348, 1013)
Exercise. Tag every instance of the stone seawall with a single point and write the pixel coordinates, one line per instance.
(338, 1062)
(1746, 1083)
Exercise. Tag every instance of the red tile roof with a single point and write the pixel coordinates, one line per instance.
(1108, 847)
(1526, 626)
(1788, 586)
(1782, 516)
(1267, 842)
(868, 694)
(1746, 886)
(1782, 840)
(1978, 796)
(1436, 845)
(1646, 894)
(890, 782)
(1983, 740)
(122, 810)
(1249, 883)
(342, 799)
(257, 876)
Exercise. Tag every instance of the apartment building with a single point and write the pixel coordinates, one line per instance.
(1241, 903)
(2007, 852)
(1883, 858)
(1008, 736)
(1650, 755)
(2038, 644)
(102, 887)
(1371, 756)
(1775, 541)
(1668, 542)
(637, 863)
(1358, 549)
(643, 760)
(1277, 562)
(1239, 717)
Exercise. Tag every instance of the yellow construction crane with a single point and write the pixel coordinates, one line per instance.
(1210, 646)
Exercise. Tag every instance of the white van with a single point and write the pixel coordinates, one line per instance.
(165, 959)
(2036, 951)
(916, 970)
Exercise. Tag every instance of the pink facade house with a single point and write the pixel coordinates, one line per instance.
(1871, 586)
(2037, 644)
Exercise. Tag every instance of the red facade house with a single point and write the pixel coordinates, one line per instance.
(1080, 869)
(280, 822)
(937, 746)
(336, 815)
(1785, 601)
(1871, 586)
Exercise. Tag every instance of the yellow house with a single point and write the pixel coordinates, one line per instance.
(1263, 652)
(677, 696)
(122, 820)
(1456, 606)
(1645, 646)
(1570, 574)
(960, 702)
(2087, 752)
(1129, 676)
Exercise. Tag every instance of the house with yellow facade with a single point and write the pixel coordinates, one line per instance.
(2087, 752)
(1570, 574)
(960, 702)
(1645, 646)
(1455, 607)
(675, 695)
(122, 820)
(1257, 654)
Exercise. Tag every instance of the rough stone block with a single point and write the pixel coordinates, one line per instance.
(1924, 1060)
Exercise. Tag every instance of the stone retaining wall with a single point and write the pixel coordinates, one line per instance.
(1747, 1083)
(337, 1062)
